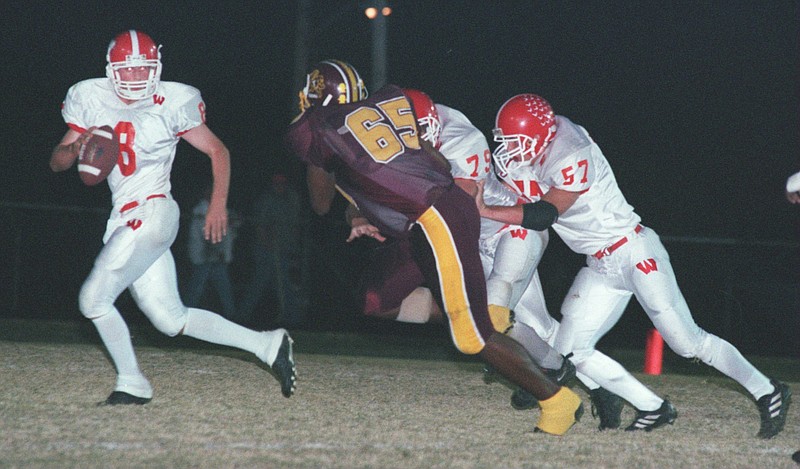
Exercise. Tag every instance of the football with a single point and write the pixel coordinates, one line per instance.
(98, 156)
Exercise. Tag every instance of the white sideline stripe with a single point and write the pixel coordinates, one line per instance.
(85, 168)
(142, 445)
(103, 133)
(323, 445)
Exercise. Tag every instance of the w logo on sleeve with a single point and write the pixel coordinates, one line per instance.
(647, 266)
(519, 233)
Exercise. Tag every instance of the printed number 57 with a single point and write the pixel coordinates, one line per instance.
(569, 173)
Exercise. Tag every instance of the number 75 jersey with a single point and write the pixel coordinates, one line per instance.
(573, 162)
(149, 131)
(468, 153)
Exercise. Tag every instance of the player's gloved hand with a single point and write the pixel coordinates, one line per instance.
(360, 226)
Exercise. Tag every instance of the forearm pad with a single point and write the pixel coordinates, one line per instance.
(539, 215)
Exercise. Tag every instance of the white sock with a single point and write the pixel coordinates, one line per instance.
(212, 327)
(541, 352)
(726, 358)
(117, 338)
(613, 377)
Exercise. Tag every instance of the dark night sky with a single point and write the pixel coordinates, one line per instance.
(694, 103)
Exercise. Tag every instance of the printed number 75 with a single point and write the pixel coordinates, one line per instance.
(569, 173)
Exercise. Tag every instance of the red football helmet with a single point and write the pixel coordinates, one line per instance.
(134, 50)
(525, 124)
(332, 81)
(428, 119)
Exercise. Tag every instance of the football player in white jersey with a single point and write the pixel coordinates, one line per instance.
(583, 203)
(150, 117)
(510, 253)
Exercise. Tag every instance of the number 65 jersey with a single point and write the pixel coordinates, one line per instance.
(149, 131)
(373, 148)
(574, 163)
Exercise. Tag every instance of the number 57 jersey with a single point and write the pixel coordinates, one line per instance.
(149, 131)
(574, 163)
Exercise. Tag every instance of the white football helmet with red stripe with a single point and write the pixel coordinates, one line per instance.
(525, 124)
(134, 65)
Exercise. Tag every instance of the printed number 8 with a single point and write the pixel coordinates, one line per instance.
(127, 156)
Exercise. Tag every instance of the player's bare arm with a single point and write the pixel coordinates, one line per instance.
(505, 214)
(66, 152)
(202, 138)
(470, 186)
(537, 215)
(321, 187)
(360, 225)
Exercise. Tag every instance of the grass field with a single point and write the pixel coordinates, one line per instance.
(362, 401)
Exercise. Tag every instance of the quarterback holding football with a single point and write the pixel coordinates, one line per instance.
(149, 117)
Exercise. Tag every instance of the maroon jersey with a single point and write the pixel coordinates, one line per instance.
(373, 149)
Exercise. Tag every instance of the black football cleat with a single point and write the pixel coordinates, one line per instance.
(608, 407)
(523, 400)
(284, 367)
(123, 398)
(649, 420)
(773, 408)
(565, 374)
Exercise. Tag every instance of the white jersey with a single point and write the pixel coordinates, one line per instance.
(149, 131)
(573, 162)
(466, 149)
(793, 183)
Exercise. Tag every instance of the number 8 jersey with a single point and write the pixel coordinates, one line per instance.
(149, 131)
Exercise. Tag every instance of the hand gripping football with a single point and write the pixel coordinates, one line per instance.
(98, 155)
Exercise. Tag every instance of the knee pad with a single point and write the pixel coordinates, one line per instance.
(708, 349)
(92, 302)
(417, 307)
(168, 318)
(498, 291)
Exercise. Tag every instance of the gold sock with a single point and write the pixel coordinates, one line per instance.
(559, 412)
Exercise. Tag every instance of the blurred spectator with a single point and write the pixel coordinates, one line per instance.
(793, 188)
(210, 260)
(276, 250)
